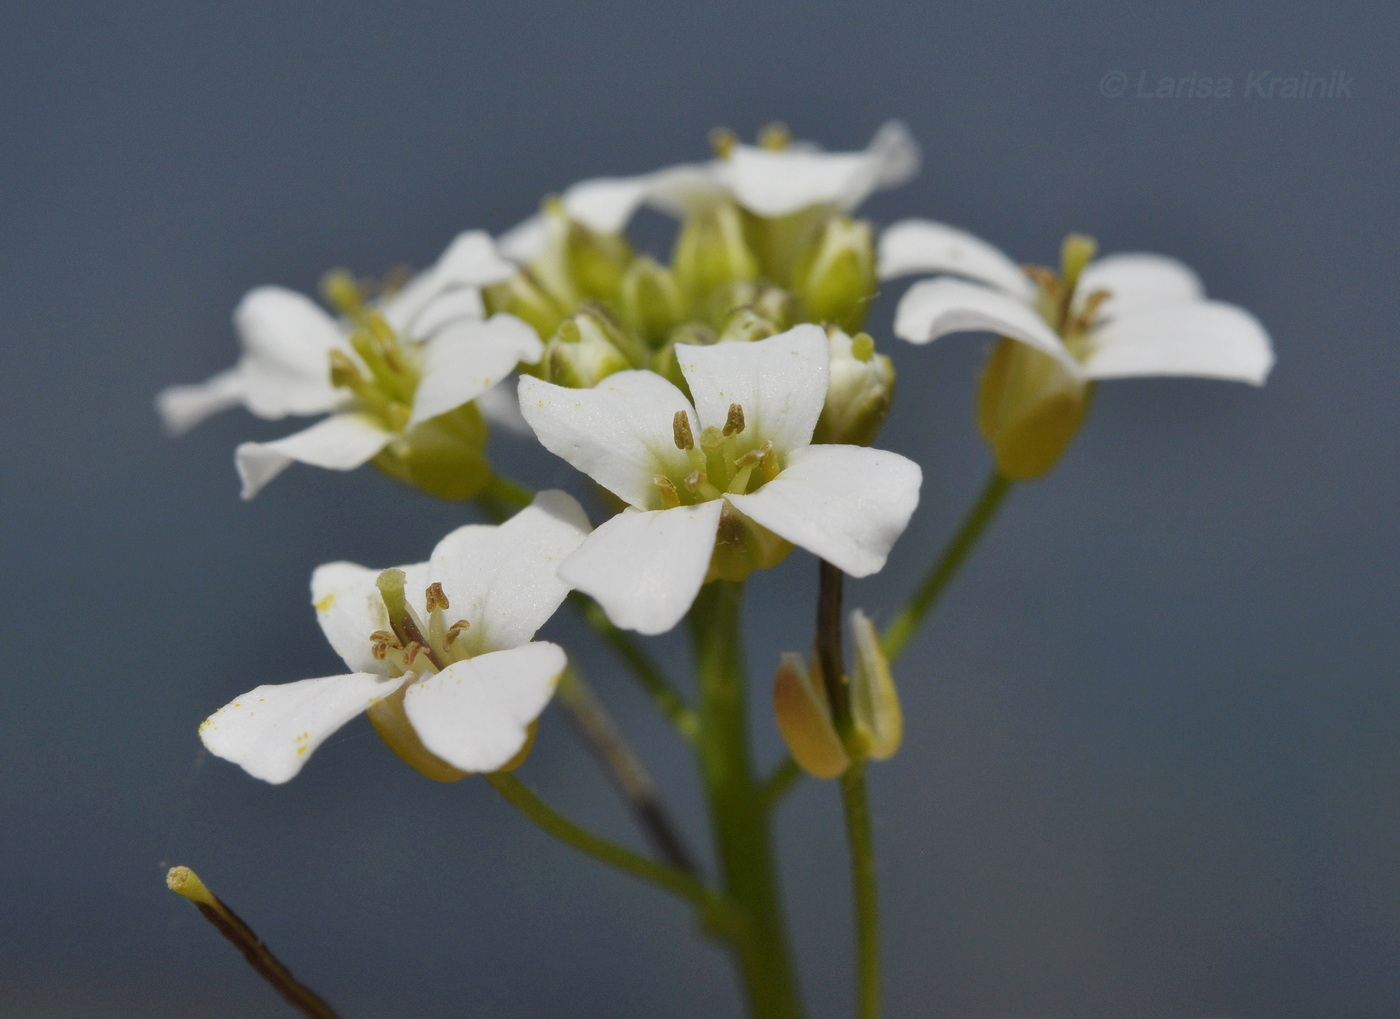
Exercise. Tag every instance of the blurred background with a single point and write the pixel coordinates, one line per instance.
(1151, 761)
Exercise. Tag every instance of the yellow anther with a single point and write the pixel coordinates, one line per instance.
(723, 140)
(670, 498)
(435, 598)
(342, 291)
(1045, 279)
(680, 428)
(775, 136)
(734, 423)
(344, 373)
(456, 630)
(1090, 308)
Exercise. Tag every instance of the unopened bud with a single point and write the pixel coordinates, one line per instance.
(1029, 407)
(711, 252)
(650, 302)
(594, 263)
(834, 278)
(444, 456)
(524, 297)
(879, 722)
(582, 353)
(860, 389)
(746, 326)
(804, 719)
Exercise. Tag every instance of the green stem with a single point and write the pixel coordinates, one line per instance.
(625, 768)
(897, 634)
(524, 799)
(780, 781)
(863, 890)
(642, 666)
(737, 806)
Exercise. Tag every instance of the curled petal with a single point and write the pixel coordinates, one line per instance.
(619, 432)
(934, 308)
(923, 246)
(341, 442)
(272, 731)
(846, 504)
(468, 357)
(470, 261)
(476, 714)
(182, 407)
(287, 339)
(1136, 281)
(505, 580)
(645, 568)
(1207, 339)
(780, 382)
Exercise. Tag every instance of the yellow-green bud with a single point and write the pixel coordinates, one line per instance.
(1029, 407)
(594, 263)
(834, 278)
(859, 392)
(650, 302)
(445, 456)
(711, 252)
(524, 297)
(747, 325)
(582, 353)
(804, 718)
(875, 710)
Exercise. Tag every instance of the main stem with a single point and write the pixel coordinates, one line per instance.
(897, 634)
(863, 888)
(738, 808)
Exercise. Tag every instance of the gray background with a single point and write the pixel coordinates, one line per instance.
(1151, 758)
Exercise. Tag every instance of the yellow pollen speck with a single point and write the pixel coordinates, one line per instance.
(301, 750)
(324, 605)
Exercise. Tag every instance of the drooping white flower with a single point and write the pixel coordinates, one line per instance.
(422, 352)
(697, 478)
(1115, 317)
(766, 181)
(452, 682)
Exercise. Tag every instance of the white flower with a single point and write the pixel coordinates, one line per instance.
(453, 686)
(765, 181)
(1120, 316)
(432, 353)
(1132, 314)
(697, 478)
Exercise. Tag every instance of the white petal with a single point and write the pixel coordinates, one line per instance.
(504, 580)
(847, 504)
(776, 183)
(934, 308)
(619, 432)
(646, 568)
(468, 357)
(1209, 339)
(349, 608)
(923, 246)
(1139, 281)
(501, 407)
(287, 339)
(476, 714)
(471, 260)
(450, 306)
(525, 240)
(605, 204)
(781, 383)
(272, 731)
(182, 407)
(341, 442)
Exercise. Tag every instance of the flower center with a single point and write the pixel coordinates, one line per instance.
(1056, 293)
(721, 463)
(411, 644)
(388, 369)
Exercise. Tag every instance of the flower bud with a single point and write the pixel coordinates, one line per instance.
(524, 297)
(650, 302)
(804, 719)
(444, 456)
(594, 263)
(583, 352)
(746, 326)
(879, 722)
(711, 252)
(859, 391)
(1029, 407)
(835, 279)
